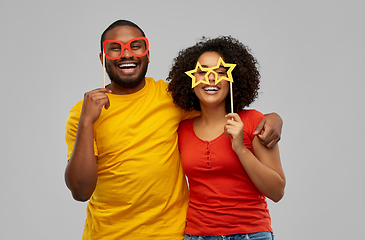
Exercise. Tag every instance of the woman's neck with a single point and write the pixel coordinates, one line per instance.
(210, 124)
(213, 115)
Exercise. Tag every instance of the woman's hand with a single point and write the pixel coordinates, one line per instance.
(234, 129)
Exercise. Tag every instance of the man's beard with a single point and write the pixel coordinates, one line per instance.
(127, 81)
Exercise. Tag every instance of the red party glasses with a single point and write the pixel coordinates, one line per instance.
(114, 49)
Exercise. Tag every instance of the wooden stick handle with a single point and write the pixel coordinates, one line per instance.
(231, 90)
(103, 69)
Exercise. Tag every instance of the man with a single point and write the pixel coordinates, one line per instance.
(122, 147)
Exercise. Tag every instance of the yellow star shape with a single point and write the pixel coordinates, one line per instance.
(229, 77)
(220, 63)
(193, 78)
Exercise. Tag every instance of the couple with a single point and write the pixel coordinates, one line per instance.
(123, 152)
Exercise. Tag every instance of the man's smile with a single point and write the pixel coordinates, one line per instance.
(128, 68)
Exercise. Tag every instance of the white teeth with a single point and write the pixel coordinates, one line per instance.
(211, 89)
(127, 65)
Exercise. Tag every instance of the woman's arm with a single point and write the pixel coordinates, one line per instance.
(263, 167)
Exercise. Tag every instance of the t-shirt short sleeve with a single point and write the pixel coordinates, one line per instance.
(71, 130)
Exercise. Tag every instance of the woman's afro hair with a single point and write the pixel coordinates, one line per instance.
(246, 77)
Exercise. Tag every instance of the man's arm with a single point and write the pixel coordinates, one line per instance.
(81, 172)
(269, 130)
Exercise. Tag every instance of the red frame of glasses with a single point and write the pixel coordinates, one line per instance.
(128, 46)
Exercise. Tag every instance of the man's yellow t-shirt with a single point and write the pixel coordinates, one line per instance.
(141, 191)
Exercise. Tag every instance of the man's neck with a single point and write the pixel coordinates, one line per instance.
(125, 90)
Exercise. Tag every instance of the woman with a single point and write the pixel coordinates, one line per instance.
(230, 172)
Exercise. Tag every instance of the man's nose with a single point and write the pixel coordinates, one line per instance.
(127, 53)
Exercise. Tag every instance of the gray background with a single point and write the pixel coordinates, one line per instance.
(312, 59)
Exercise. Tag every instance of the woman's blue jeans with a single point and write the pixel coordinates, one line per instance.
(245, 236)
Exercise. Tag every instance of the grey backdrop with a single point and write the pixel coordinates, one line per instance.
(312, 59)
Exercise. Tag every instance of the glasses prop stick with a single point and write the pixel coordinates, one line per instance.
(208, 71)
(103, 69)
(231, 91)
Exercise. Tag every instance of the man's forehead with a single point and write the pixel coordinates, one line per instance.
(123, 33)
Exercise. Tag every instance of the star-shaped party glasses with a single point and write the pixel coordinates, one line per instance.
(208, 71)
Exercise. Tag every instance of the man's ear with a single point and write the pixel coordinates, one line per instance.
(148, 57)
(101, 58)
